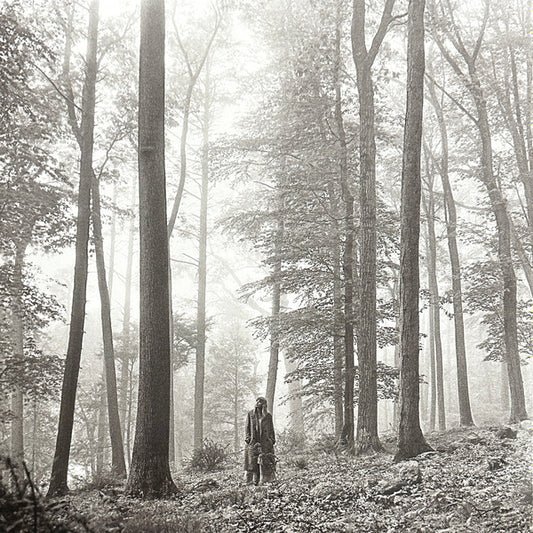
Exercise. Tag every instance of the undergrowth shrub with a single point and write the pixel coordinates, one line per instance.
(211, 456)
(290, 441)
(327, 443)
(299, 462)
(23, 509)
(103, 481)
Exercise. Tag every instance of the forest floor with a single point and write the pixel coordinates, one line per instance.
(477, 480)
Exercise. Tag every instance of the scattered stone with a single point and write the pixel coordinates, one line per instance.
(526, 425)
(409, 474)
(495, 463)
(506, 433)
(206, 484)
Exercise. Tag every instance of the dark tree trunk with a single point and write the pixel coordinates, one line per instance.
(150, 471)
(118, 465)
(411, 441)
(367, 420)
(465, 411)
(58, 479)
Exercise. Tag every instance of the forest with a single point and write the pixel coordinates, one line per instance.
(266, 265)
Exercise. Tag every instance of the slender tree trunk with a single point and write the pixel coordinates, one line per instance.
(296, 408)
(411, 441)
(17, 398)
(126, 327)
(58, 479)
(367, 420)
(101, 425)
(202, 278)
(338, 317)
(434, 303)
(150, 471)
(112, 244)
(118, 465)
(433, 371)
(275, 317)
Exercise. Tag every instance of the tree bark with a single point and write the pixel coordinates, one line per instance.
(58, 479)
(411, 441)
(150, 471)
(367, 420)
(118, 465)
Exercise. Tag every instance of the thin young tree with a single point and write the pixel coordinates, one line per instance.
(411, 441)
(58, 479)
(150, 469)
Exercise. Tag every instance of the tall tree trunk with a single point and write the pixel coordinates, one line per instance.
(112, 243)
(296, 408)
(202, 278)
(433, 373)
(101, 423)
(275, 316)
(150, 471)
(367, 420)
(411, 441)
(118, 465)
(434, 302)
(465, 411)
(126, 326)
(338, 317)
(17, 398)
(58, 479)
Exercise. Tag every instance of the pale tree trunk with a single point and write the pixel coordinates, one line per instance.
(433, 374)
(296, 408)
(101, 437)
(17, 398)
(58, 479)
(367, 420)
(202, 276)
(275, 316)
(150, 470)
(411, 441)
(465, 411)
(338, 317)
(126, 329)
(112, 244)
(434, 302)
(118, 465)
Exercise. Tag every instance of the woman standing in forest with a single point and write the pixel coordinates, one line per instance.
(259, 459)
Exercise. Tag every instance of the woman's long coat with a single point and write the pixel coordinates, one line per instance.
(259, 430)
